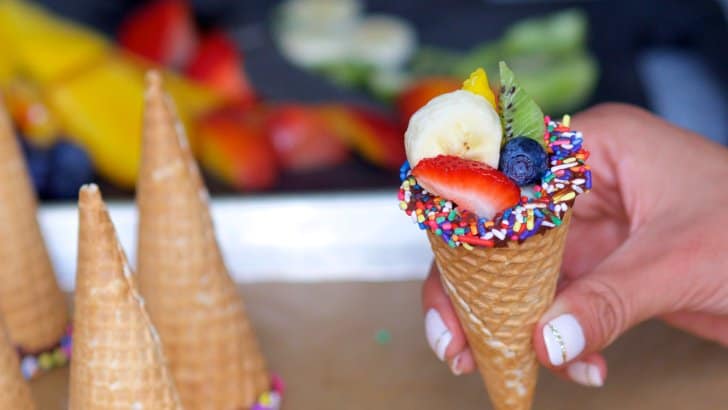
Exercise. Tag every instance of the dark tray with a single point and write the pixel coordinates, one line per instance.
(619, 32)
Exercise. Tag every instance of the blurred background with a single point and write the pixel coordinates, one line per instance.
(314, 95)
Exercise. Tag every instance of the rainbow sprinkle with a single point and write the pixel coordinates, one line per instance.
(271, 400)
(544, 208)
(32, 364)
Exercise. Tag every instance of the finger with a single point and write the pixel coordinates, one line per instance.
(442, 327)
(590, 241)
(463, 363)
(708, 326)
(600, 216)
(591, 311)
(590, 371)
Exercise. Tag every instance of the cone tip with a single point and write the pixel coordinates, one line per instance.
(154, 80)
(89, 191)
(90, 196)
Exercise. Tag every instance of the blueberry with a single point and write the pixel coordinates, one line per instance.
(38, 162)
(523, 160)
(70, 167)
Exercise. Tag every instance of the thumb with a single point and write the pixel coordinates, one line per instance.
(627, 288)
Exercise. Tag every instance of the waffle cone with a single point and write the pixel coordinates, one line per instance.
(117, 357)
(31, 302)
(499, 294)
(15, 393)
(212, 348)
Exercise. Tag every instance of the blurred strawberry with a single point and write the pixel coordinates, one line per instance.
(162, 31)
(219, 65)
(422, 91)
(303, 140)
(374, 136)
(234, 147)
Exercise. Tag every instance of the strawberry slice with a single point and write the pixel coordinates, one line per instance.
(218, 65)
(472, 185)
(162, 31)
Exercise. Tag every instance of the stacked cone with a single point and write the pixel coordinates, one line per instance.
(31, 302)
(499, 294)
(212, 348)
(14, 391)
(118, 361)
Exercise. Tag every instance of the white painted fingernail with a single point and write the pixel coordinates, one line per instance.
(586, 374)
(564, 339)
(455, 365)
(438, 335)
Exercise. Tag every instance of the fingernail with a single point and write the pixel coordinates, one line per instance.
(438, 335)
(455, 365)
(564, 339)
(585, 374)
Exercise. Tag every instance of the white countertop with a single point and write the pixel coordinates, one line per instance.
(280, 238)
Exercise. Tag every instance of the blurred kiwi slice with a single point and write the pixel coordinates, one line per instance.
(519, 113)
(559, 86)
(559, 33)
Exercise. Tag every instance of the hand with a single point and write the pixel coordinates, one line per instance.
(650, 240)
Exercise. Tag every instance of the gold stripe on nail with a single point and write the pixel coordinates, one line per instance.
(559, 340)
(437, 341)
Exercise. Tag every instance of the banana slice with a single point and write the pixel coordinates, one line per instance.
(313, 33)
(458, 123)
(384, 41)
(323, 15)
(313, 48)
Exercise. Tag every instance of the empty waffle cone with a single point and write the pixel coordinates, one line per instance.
(31, 302)
(117, 357)
(14, 390)
(212, 348)
(499, 294)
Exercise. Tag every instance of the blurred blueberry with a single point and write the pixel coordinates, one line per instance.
(38, 161)
(70, 167)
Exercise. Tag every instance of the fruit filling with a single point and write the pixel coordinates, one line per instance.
(459, 195)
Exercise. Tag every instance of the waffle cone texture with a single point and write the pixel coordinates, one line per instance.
(194, 303)
(14, 391)
(118, 361)
(31, 302)
(499, 294)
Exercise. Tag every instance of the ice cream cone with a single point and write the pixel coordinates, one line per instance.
(499, 295)
(31, 302)
(118, 361)
(211, 345)
(15, 393)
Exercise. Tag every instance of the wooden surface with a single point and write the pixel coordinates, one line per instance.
(321, 339)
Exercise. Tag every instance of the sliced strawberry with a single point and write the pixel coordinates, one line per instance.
(472, 185)
(235, 148)
(162, 31)
(303, 140)
(373, 135)
(218, 65)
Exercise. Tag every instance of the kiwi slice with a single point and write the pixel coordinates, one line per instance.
(519, 113)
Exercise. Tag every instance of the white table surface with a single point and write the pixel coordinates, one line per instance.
(349, 236)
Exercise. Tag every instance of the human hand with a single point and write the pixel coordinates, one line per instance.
(648, 241)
